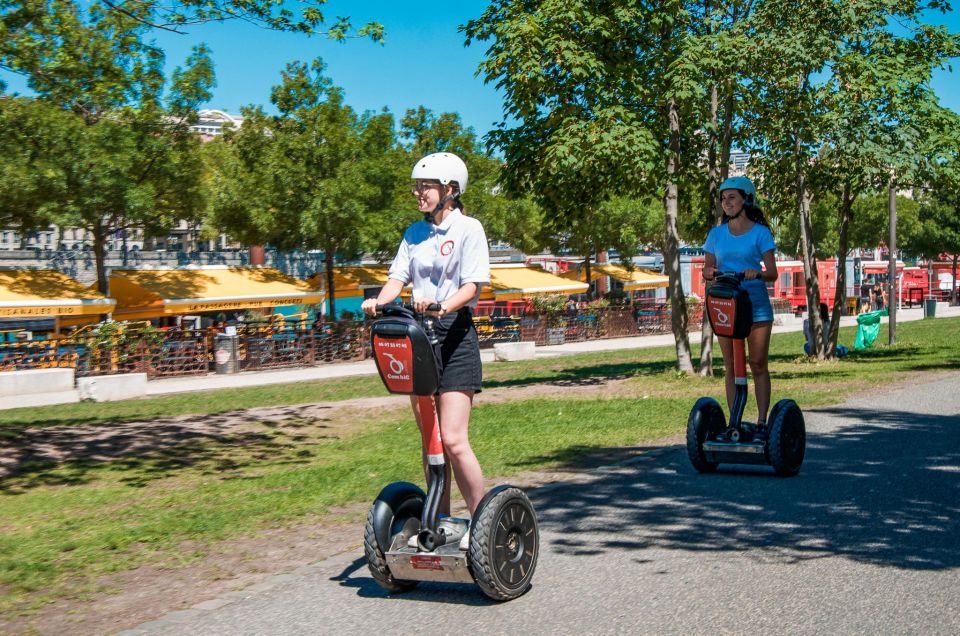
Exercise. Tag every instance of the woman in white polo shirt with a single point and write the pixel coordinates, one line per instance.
(446, 258)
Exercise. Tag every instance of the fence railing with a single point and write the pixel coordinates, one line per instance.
(278, 344)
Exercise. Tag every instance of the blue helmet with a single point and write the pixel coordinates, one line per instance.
(742, 184)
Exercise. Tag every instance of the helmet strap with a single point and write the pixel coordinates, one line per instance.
(431, 217)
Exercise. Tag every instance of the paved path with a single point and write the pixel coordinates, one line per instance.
(864, 540)
(259, 378)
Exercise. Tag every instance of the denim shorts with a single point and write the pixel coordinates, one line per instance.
(760, 299)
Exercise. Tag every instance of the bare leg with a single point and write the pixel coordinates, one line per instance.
(726, 348)
(454, 423)
(758, 343)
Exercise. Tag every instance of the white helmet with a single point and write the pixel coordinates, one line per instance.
(443, 167)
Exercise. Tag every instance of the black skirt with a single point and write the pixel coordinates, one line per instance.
(458, 352)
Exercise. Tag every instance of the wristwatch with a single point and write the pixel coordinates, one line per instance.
(443, 309)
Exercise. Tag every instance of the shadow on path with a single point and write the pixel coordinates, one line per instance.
(883, 490)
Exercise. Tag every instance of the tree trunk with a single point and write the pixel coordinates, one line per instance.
(586, 272)
(706, 330)
(331, 291)
(719, 171)
(840, 298)
(678, 304)
(808, 250)
(100, 257)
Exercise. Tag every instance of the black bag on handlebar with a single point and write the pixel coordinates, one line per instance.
(729, 308)
(404, 356)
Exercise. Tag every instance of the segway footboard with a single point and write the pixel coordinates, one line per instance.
(448, 563)
(722, 452)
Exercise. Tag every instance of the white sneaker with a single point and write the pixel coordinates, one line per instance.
(465, 541)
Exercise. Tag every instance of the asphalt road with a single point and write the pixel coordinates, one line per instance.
(865, 540)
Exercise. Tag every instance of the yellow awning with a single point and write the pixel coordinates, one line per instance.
(32, 293)
(510, 282)
(632, 281)
(150, 293)
(349, 282)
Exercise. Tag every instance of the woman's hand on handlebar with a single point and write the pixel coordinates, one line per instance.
(369, 306)
(709, 273)
(428, 305)
(750, 274)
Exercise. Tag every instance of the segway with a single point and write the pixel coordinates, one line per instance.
(405, 541)
(710, 440)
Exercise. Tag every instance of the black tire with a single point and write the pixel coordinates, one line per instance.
(706, 420)
(787, 439)
(504, 543)
(395, 511)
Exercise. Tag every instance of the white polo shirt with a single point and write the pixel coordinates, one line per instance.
(440, 259)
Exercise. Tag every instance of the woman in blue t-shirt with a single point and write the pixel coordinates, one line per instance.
(743, 243)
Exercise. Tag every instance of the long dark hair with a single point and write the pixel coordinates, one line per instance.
(753, 213)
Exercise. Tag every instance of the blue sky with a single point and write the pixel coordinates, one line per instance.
(422, 45)
(422, 48)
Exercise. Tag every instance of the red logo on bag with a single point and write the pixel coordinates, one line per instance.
(446, 248)
(721, 315)
(394, 358)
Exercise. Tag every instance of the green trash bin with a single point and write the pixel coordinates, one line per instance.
(930, 308)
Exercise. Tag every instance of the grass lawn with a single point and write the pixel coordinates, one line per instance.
(64, 526)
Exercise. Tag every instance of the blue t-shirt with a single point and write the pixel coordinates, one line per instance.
(737, 253)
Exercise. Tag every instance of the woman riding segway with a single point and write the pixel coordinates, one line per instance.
(740, 244)
(740, 313)
(446, 258)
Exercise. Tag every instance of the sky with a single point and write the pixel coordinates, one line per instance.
(422, 50)
(421, 46)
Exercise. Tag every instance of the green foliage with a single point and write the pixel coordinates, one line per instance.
(550, 306)
(109, 128)
(178, 15)
(32, 178)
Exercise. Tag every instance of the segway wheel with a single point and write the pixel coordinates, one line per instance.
(787, 440)
(706, 421)
(393, 518)
(504, 543)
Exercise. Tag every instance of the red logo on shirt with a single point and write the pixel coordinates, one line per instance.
(446, 248)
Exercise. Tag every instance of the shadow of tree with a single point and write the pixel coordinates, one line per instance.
(218, 444)
(884, 491)
(584, 375)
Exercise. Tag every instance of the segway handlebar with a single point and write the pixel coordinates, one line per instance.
(395, 309)
(727, 277)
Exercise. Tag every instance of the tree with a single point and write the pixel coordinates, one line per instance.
(316, 176)
(178, 15)
(937, 232)
(600, 102)
(881, 115)
(32, 179)
(131, 160)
